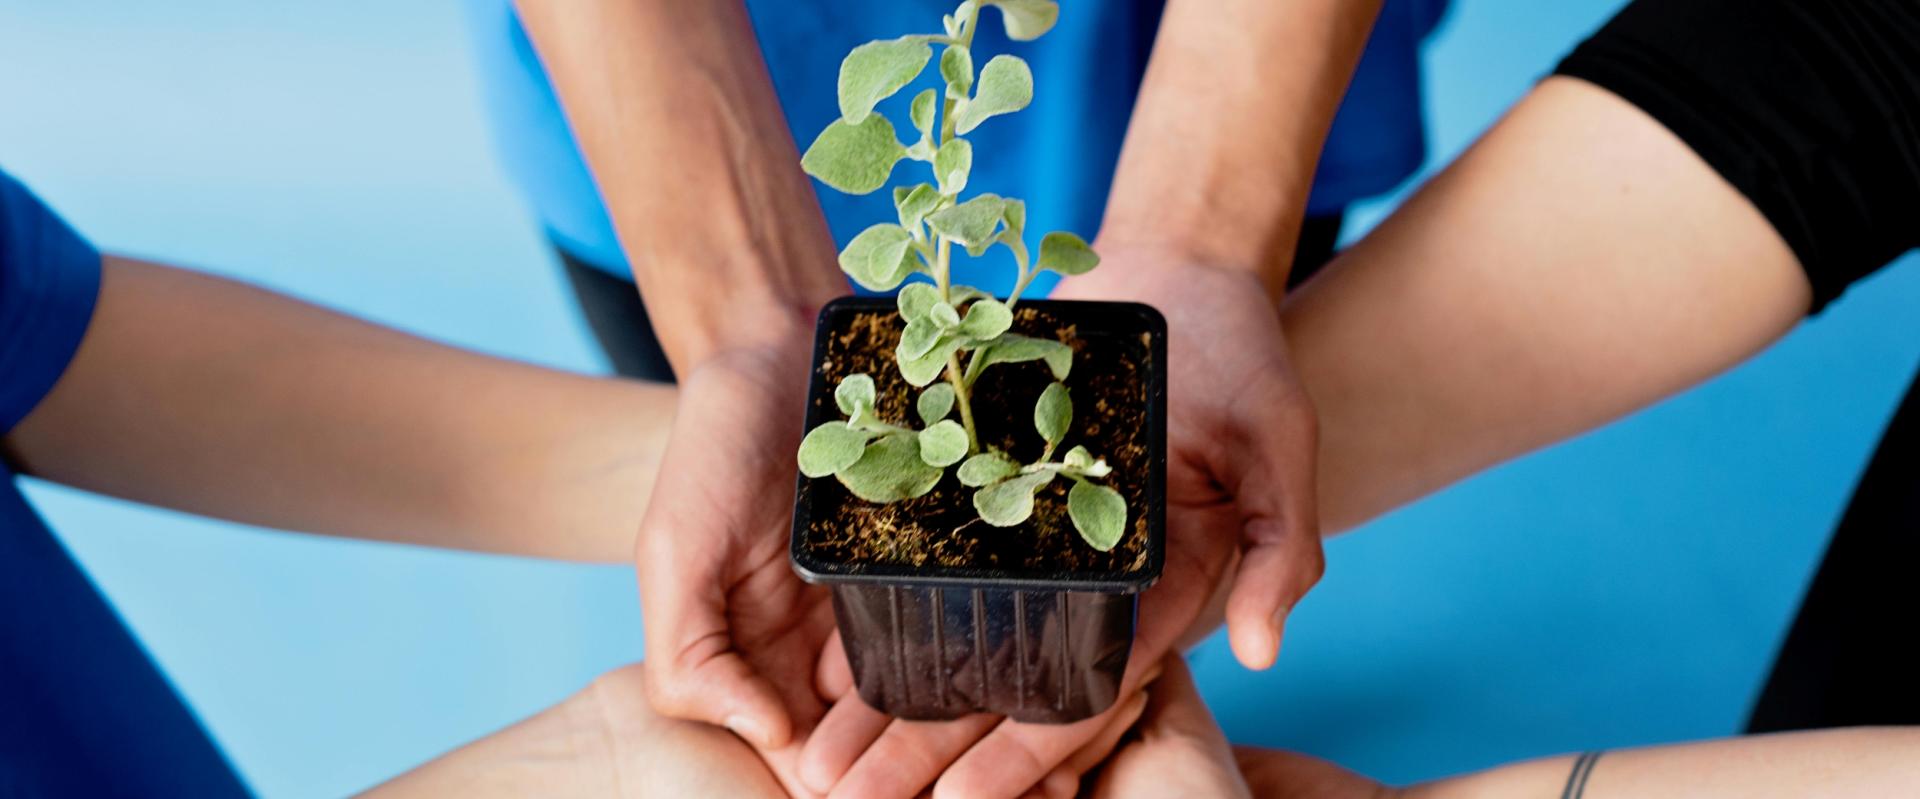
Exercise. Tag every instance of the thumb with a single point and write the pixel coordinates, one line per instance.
(1276, 571)
(694, 671)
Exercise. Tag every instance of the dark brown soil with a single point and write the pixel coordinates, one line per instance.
(1109, 387)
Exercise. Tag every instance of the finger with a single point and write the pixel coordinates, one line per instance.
(834, 677)
(1096, 750)
(1014, 756)
(1275, 572)
(1280, 532)
(909, 755)
(693, 670)
(849, 729)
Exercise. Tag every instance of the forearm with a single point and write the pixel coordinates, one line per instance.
(211, 397)
(1235, 107)
(680, 126)
(1834, 764)
(1577, 264)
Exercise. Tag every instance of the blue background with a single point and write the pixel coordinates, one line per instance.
(1626, 587)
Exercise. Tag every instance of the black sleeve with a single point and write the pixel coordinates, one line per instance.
(1810, 108)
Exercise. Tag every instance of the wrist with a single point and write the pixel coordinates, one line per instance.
(695, 332)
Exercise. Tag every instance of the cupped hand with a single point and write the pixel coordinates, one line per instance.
(732, 634)
(1241, 441)
(1176, 749)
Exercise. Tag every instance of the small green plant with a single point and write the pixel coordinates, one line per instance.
(951, 330)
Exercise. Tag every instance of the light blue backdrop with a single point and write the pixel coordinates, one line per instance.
(1627, 587)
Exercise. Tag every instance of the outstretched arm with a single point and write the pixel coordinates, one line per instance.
(209, 396)
(1578, 263)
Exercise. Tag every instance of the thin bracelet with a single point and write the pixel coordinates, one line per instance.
(1577, 780)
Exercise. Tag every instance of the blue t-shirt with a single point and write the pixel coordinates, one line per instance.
(83, 711)
(1057, 155)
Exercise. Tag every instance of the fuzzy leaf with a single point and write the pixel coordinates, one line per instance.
(921, 112)
(962, 294)
(1078, 458)
(935, 403)
(922, 370)
(986, 468)
(831, 447)
(1015, 348)
(1053, 414)
(853, 393)
(970, 223)
(890, 470)
(914, 204)
(875, 70)
(916, 299)
(918, 339)
(1027, 20)
(855, 159)
(951, 164)
(956, 68)
(943, 443)
(1010, 501)
(1099, 513)
(986, 319)
(1006, 86)
(1015, 215)
(1067, 254)
(879, 258)
(944, 315)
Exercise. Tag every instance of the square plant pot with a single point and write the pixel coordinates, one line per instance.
(943, 615)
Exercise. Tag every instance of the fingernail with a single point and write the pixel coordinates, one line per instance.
(746, 728)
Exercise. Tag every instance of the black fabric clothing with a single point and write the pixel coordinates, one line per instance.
(618, 317)
(1810, 108)
(1850, 658)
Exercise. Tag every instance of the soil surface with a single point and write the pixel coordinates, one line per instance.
(1109, 385)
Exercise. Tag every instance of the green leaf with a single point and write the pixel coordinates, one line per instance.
(1053, 414)
(1015, 215)
(969, 223)
(1099, 513)
(1067, 254)
(962, 294)
(944, 315)
(890, 470)
(922, 370)
(1027, 20)
(879, 258)
(1006, 86)
(986, 468)
(1078, 458)
(943, 443)
(855, 159)
(921, 112)
(935, 403)
(986, 319)
(918, 339)
(914, 204)
(916, 299)
(956, 68)
(951, 165)
(853, 393)
(875, 70)
(831, 447)
(1010, 501)
(1015, 348)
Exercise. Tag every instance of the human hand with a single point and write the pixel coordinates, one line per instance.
(1176, 749)
(601, 742)
(1241, 445)
(733, 635)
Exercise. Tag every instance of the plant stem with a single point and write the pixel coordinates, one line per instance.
(961, 399)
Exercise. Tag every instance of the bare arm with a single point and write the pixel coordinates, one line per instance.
(1235, 107)
(673, 108)
(212, 397)
(1578, 263)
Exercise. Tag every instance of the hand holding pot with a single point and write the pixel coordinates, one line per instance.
(733, 634)
(1239, 484)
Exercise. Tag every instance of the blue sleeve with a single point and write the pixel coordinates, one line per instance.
(49, 279)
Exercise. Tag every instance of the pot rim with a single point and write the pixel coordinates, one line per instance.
(814, 569)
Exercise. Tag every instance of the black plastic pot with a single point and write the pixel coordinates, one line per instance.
(933, 642)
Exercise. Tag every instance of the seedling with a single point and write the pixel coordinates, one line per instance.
(952, 331)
